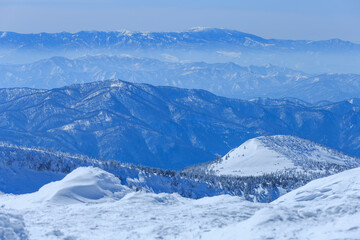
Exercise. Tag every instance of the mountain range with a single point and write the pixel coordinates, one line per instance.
(163, 127)
(224, 79)
(199, 44)
(196, 37)
(202, 134)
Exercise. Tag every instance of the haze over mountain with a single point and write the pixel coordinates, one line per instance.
(224, 79)
(205, 133)
(163, 126)
(198, 44)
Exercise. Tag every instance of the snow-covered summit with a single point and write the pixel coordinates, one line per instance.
(268, 154)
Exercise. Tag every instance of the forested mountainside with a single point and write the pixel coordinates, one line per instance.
(25, 170)
(163, 126)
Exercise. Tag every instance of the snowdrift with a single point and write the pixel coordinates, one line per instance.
(326, 208)
(84, 184)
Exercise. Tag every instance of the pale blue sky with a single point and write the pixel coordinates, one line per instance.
(286, 19)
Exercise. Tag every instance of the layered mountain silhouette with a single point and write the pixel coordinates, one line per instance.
(224, 79)
(163, 126)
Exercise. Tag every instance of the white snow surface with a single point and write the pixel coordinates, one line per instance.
(263, 155)
(84, 184)
(251, 158)
(12, 227)
(90, 203)
(326, 208)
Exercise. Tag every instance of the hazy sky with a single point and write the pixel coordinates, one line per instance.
(287, 19)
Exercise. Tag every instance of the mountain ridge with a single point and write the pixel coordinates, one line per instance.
(225, 79)
(212, 45)
(170, 127)
(215, 33)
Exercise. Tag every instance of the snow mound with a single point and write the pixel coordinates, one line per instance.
(326, 208)
(263, 155)
(84, 184)
(12, 227)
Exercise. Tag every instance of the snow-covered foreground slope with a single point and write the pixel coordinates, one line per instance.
(265, 155)
(326, 208)
(12, 227)
(323, 209)
(89, 203)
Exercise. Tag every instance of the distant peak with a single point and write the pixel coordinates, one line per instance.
(126, 32)
(199, 29)
(270, 154)
(3, 34)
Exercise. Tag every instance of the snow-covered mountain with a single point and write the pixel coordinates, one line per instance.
(326, 208)
(197, 37)
(271, 154)
(225, 79)
(206, 44)
(163, 126)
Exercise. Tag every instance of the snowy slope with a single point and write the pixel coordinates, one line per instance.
(89, 203)
(264, 155)
(12, 227)
(326, 208)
